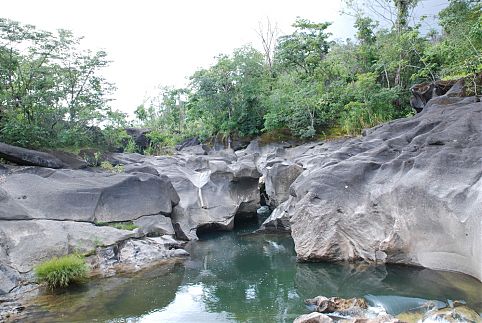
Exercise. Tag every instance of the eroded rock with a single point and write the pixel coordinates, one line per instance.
(408, 192)
(28, 157)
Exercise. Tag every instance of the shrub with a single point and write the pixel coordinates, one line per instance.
(62, 271)
(107, 166)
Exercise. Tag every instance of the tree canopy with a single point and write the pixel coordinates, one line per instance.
(52, 92)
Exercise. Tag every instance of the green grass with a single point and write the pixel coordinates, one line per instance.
(62, 271)
(118, 225)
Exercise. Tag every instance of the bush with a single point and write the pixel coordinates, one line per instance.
(62, 271)
(107, 166)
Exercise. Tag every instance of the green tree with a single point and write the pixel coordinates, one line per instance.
(228, 96)
(304, 49)
(51, 91)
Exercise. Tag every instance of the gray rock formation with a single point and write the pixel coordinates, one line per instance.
(85, 196)
(24, 244)
(23, 156)
(156, 225)
(279, 178)
(409, 191)
(213, 189)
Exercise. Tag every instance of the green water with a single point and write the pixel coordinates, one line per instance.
(231, 277)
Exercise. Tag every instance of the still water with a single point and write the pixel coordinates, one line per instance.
(234, 277)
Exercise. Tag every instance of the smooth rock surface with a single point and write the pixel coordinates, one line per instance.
(85, 196)
(28, 157)
(212, 189)
(409, 191)
(155, 225)
(279, 178)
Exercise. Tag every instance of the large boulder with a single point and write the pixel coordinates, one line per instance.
(85, 196)
(407, 192)
(213, 189)
(24, 244)
(28, 157)
(279, 178)
(155, 225)
(70, 160)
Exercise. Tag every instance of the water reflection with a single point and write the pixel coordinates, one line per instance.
(246, 278)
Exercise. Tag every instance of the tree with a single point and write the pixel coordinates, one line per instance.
(268, 35)
(51, 91)
(228, 95)
(305, 48)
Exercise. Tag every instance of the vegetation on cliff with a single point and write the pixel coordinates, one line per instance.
(53, 95)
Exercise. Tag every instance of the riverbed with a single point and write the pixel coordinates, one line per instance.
(240, 277)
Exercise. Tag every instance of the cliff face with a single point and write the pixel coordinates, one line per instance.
(409, 191)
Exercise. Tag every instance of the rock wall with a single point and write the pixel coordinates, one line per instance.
(409, 191)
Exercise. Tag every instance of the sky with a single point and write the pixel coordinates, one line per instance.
(161, 43)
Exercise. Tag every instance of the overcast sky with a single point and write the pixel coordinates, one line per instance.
(156, 43)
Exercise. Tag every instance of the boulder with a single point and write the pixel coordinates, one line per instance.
(213, 189)
(407, 192)
(196, 150)
(337, 304)
(133, 255)
(85, 196)
(70, 160)
(278, 220)
(23, 244)
(279, 178)
(155, 225)
(28, 157)
(139, 168)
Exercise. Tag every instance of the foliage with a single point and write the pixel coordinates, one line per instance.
(62, 271)
(131, 146)
(52, 93)
(128, 225)
(107, 166)
(304, 85)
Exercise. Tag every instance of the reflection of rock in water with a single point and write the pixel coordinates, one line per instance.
(356, 281)
(337, 280)
(124, 296)
(397, 304)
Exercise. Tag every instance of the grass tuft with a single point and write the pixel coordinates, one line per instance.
(62, 271)
(128, 225)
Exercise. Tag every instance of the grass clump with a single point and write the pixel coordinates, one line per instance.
(62, 271)
(129, 226)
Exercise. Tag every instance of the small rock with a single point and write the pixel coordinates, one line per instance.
(336, 304)
(314, 317)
